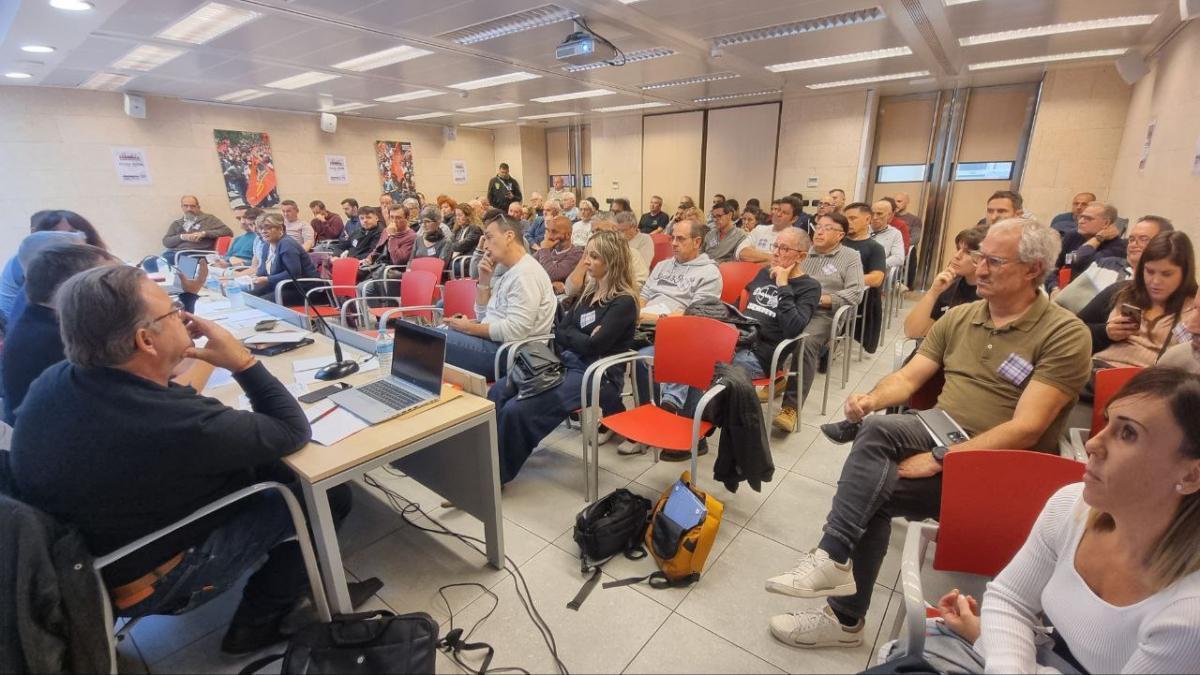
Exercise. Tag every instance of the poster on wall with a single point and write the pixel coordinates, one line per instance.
(459, 169)
(247, 167)
(335, 169)
(395, 162)
(1146, 145)
(131, 166)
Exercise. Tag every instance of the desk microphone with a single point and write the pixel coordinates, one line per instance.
(340, 367)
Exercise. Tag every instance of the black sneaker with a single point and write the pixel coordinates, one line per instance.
(684, 455)
(841, 432)
(304, 613)
(250, 632)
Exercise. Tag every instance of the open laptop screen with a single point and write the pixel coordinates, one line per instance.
(418, 356)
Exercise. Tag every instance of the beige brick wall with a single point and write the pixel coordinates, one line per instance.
(820, 136)
(1076, 136)
(55, 152)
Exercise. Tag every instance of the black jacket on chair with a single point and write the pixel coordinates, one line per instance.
(743, 453)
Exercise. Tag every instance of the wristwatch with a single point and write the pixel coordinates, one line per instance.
(939, 453)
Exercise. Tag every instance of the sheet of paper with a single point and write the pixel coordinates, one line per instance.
(212, 303)
(297, 390)
(279, 337)
(220, 377)
(238, 315)
(336, 426)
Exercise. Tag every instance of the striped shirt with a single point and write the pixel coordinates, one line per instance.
(840, 273)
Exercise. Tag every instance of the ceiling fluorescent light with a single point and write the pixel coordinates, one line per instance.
(951, 3)
(868, 80)
(799, 27)
(485, 123)
(410, 96)
(630, 57)
(488, 108)
(106, 82)
(72, 5)
(591, 93)
(17, 75)
(496, 81)
(1058, 29)
(382, 58)
(423, 116)
(146, 57)
(629, 2)
(346, 107)
(635, 106)
(857, 57)
(699, 79)
(546, 15)
(726, 97)
(301, 80)
(37, 49)
(1050, 58)
(208, 22)
(243, 95)
(549, 116)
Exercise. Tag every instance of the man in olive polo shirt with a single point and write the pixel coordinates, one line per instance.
(1014, 364)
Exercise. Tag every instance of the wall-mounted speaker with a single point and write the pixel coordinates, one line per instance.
(450, 133)
(1132, 67)
(1189, 9)
(135, 106)
(328, 123)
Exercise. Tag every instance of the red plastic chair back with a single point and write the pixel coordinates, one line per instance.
(734, 277)
(688, 348)
(434, 266)
(223, 244)
(458, 297)
(662, 248)
(344, 277)
(1064, 277)
(926, 397)
(990, 500)
(416, 290)
(1108, 382)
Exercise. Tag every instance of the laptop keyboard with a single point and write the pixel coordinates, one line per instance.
(390, 395)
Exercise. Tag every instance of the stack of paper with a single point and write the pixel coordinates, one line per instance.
(331, 424)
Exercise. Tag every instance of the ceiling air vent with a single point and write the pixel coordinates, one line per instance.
(546, 15)
(799, 27)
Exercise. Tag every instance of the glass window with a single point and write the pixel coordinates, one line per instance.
(983, 171)
(900, 173)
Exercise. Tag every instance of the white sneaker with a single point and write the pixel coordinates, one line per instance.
(813, 628)
(815, 576)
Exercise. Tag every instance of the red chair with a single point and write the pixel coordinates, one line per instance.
(662, 248)
(734, 278)
(990, 500)
(458, 297)
(1064, 277)
(415, 301)
(1108, 382)
(340, 286)
(434, 266)
(223, 244)
(927, 395)
(686, 351)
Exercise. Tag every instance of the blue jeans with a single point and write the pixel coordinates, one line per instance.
(475, 354)
(679, 395)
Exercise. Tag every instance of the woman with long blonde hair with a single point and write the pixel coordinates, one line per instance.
(598, 323)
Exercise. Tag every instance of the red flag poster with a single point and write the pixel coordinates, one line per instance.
(395, 161)
(247, 167)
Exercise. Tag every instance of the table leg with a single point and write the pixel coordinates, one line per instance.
(493, 528)
(329, 553)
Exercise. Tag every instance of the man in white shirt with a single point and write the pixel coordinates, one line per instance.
(569, 208)
(521, 304)
(559, 193)
(1186, 356)
(640, 242)
(297, 229)
(757, 246)
(885, 235)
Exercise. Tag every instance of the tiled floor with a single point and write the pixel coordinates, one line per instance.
(716, 625)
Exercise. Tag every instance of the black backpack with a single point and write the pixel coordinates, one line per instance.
(611, 526)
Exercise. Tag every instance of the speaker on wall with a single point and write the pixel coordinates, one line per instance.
(1132, 67)
(328, 123)
(450, 133)
(1189, 9)
(135, 106)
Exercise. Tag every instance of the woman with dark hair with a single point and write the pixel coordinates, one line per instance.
(69, 221)
(12, 279)
(954, 286)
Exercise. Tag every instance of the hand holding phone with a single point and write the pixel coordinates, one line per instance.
(1132, 312)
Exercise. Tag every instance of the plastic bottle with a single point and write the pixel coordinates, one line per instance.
(233, 291)
(383, 351)
(213, 284)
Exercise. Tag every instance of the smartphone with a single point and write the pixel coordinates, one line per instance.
(1131, 312)
(265, 325)
(323, 392)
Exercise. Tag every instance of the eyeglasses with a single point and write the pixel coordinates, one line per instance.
(776, 248)
(992, 261)
(176, 307)
(828, 228)
(1143, 240)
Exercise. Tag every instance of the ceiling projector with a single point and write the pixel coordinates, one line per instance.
(580, 48)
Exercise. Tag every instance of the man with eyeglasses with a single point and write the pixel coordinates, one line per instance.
(1013, 363)
(757, 246)
(1096, 238)
(1108, 273)
(1068, 221)
(722, 242)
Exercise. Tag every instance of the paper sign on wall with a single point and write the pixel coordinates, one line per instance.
(1146, 146)
(131, 165)
(335, 169)
(459, 168)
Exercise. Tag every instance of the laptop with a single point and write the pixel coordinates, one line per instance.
(418, 358)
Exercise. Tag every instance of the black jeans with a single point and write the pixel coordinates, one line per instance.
(870, 494)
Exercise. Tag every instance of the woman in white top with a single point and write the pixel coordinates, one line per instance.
(1113, 563)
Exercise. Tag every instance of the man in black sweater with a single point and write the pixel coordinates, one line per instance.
(107, 443)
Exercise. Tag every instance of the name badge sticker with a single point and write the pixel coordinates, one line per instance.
(587, 319)
(1015, 369)
(829, 269)
(1182, 334)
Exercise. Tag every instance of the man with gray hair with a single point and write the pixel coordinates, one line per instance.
(106, 443)
(1096, 238)
(1014, 364)
(639, 241)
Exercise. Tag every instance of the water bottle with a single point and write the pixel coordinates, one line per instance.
(383, 352)
(233, 291)
(213, 284)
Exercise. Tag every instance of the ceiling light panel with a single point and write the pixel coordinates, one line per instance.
(18, 75)
(538, 17)
(857, 57)
(799, 27)
(1050, 58)
(635, 106)
(106, 82)
(496, 81)
(1058, 29)
(726, 97)
(868, 80)
(485, 123)
(409, 96)
(146, 57)
(951, 3)
(549, 116)
(207, 23)
(72, 5)
(424, 116)
(242, 95)
(302, 80)
(591, 93)
(382, 58)
(346, 107)
(488, 108)
(630, 57)
(699, 79)
(37, 49)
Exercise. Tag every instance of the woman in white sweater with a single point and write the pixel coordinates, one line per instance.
(1113, 563)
